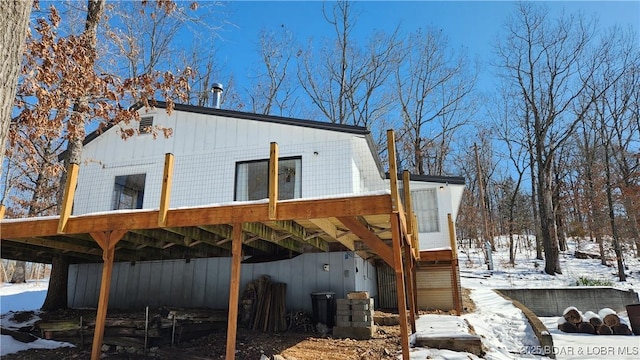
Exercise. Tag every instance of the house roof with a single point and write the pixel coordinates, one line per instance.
(313, 124)
(453, 180)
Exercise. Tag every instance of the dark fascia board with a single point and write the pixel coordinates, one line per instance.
(453, 180)
(357, 130)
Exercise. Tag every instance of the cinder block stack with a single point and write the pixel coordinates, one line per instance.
(354, 316)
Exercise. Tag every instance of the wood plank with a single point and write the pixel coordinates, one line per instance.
(408, 271)
(402, 303)
(436, 255)
(330, 229)
(273, 180)
(370, 239)
(452, 237)
(69, 193)
(298, 233)
(197, 216)
(165, 196)
(108, 241)
(2, 211)
(234, 291)
(393, 169)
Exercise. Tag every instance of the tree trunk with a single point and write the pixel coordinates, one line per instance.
(14, 22)
(547, 219)
(57, 293)
(612, 217)
(58, 282)
(19, 272)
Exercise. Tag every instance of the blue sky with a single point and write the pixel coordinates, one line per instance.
(470, 24)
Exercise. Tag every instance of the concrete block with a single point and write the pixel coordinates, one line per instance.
(357, 295)
(343, 302)
(360, 318)
(361, 307)
(361, 324)
(343, 312)
(359, 333)
(344, 321)
(368, 302)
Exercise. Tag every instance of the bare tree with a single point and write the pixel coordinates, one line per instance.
(546, 62)
(274, 90)
(434, 86)
(346, 82)
(14, 23)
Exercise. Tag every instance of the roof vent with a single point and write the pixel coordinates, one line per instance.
(217, 90)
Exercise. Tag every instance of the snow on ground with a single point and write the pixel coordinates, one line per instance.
(504, 330)
(22, 297)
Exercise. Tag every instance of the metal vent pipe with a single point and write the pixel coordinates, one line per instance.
(217, 90)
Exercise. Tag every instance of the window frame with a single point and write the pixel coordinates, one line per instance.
(120, 188)
(280, 160)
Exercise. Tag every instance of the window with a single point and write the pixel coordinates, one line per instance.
(128, 191)
(252, 179)
(146, 123)
(425, 205)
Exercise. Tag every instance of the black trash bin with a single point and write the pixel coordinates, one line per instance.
(324, 308)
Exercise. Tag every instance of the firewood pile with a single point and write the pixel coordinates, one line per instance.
(605, 322)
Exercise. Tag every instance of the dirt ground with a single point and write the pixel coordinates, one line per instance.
(251, 345)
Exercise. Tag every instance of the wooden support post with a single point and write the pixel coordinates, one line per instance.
(165, 197)
(69, 192)
(234, 291)
(107, 241)
(408, 270)
(457, 298)
(393, 169)
(397, 266)
(273, 180)
(411, 218)
(2, 211)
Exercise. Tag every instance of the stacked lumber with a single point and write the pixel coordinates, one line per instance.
(605, 322)
(270, 313)
(167, 326)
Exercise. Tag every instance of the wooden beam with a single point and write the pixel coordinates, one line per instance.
(393, 169)
(457, 298)
(165, 196)
(408, 204)
(330, 229)
(2, 211)
(273, 180)
(57, 244)
(408, 275)
(298, 232)
(234, 291)
(107, 241)
(197, 216)
(370, 239)
(69, 193)
(452, 237)
(397, 266)
(266, 233)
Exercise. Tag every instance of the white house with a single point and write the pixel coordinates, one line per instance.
(221, 157)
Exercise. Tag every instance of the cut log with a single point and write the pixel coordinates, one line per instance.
(586, 328)
(609, 317)
(585, 255)
(592, 318)
(621, 329)
(199, 315)
(572, 315)
(568, 327)
(604, 330)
